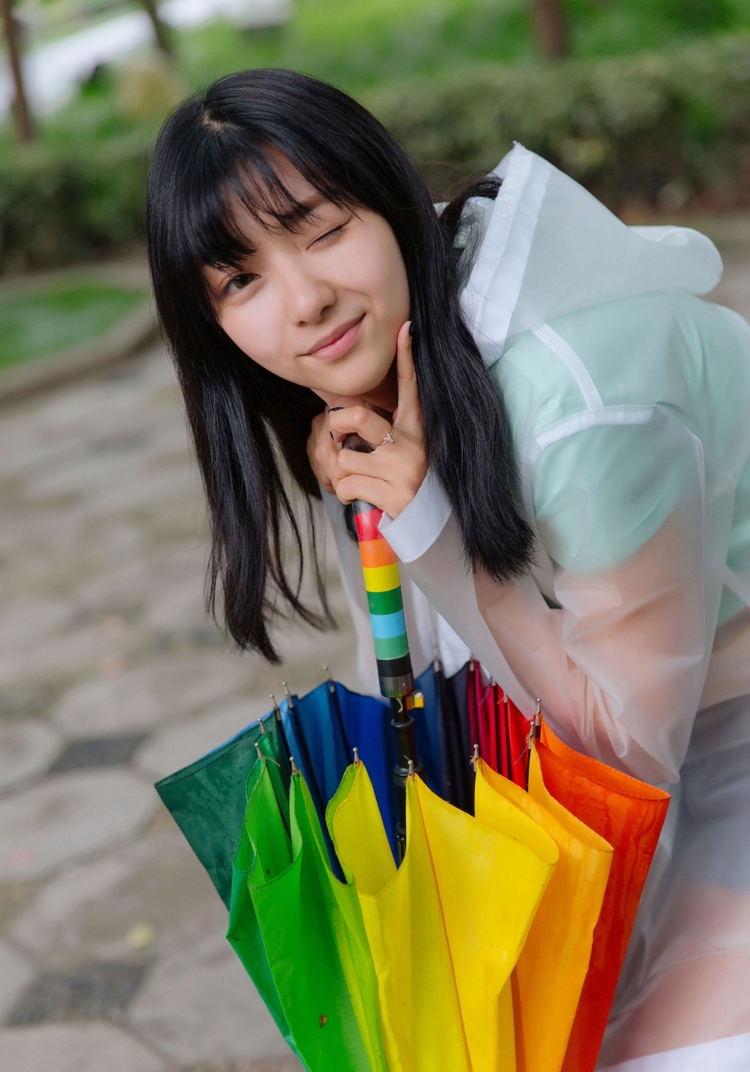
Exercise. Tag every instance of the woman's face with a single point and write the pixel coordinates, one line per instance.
(321, 307)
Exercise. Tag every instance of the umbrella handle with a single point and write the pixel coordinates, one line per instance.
(388, 622)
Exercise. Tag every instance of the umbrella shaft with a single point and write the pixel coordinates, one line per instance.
(406, 764)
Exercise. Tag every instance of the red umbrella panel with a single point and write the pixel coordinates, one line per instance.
(497, 727)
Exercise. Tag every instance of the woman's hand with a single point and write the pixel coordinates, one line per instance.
(391, 475)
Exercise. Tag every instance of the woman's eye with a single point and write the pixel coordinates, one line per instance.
(331, 234)
(239, 282)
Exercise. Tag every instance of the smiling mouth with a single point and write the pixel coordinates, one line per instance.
(341, 343)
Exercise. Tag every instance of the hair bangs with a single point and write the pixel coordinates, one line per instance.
(242, 180)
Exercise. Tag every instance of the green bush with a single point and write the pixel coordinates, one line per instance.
(661, 128)
(59, 206)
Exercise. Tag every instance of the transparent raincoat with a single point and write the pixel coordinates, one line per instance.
(629, 402)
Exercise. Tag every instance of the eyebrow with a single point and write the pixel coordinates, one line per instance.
(298, 213)
(301, 210)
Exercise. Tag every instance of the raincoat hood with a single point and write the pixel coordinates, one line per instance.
(549, 247)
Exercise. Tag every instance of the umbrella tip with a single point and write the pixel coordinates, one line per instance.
(475, 758)
(261, 727)
(356, 756)
(411, 768)
(293, 765)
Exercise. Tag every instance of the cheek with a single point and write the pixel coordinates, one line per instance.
(256, 330)
(374, 267)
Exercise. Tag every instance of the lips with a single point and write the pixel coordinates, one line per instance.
(338, 341)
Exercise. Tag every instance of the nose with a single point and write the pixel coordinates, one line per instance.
(309, 294)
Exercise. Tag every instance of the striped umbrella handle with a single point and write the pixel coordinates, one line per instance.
(383, 586)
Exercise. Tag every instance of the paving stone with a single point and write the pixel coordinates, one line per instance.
(68, 817)
(281, 1064)
(26, 748)
(15, 974)
(74, 1048)
(173, 748)
(199, 1005)
(98, 752)
(153, 888)
(97, 991)
(153, 693)
(53, 656)
(14, 897)
(100, 990)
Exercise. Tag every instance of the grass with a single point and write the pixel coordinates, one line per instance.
(54, 317)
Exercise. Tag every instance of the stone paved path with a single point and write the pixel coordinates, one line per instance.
(112, 955)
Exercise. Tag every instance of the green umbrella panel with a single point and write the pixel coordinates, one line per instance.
(207, 799)
(299, 932)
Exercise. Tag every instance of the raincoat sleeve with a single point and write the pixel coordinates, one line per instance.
(618, 647)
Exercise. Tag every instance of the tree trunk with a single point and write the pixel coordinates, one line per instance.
(20, 104)
(551, 27)
(161, 32)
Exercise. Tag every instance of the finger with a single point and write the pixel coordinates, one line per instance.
(353, 461)
(409, 410)
(321, 451)
(367, 488)
(367, 424)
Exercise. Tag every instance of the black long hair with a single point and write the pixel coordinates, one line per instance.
(243, 418)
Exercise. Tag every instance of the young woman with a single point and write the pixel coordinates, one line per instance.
(561, 433)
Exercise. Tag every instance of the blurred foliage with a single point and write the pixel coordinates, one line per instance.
(149, 88)
(359, 44)
(56, 316)
(62, 204)
(656, 128)
(456, 80)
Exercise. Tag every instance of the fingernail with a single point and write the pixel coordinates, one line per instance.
(411, 328)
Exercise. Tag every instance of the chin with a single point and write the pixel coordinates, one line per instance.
(363, 380)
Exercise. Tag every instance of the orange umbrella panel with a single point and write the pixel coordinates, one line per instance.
(629, 814)
(547, 981)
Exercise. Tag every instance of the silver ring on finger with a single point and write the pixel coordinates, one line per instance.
(387, 438)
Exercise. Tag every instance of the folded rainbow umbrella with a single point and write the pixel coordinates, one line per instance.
(367, 909)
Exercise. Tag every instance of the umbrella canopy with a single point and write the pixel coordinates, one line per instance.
(497, 726)
(447, 697)
(323, 727)
(299, 931)
(447, 927)
(629, 814)
(207, 799)
(548, 978)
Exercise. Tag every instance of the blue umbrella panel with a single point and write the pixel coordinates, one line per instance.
(207, 799)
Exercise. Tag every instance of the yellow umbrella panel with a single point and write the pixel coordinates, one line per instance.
(548, 979)
(446, 928)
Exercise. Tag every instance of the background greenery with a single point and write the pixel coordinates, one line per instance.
(652, 108)
(52, 316)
